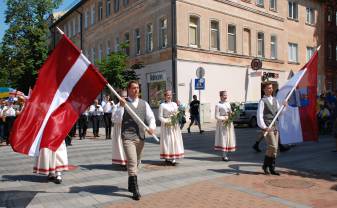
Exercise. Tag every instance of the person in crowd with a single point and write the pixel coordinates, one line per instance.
(118, 154)
(195, 114)
(8, 115)
(182, 114)
(96, 111)
(52, 163)
(83, 124)
(2, 119)
(323, 118)
(267, 110)
(107, 105)
(171, 142)
(225, 140)
(132, 133)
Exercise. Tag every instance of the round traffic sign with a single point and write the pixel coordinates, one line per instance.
(256, 64)
(200, 72)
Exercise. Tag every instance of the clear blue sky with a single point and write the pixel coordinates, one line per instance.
(3, 27)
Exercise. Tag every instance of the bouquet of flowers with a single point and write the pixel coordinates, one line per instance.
(233, 114)
(174, 119)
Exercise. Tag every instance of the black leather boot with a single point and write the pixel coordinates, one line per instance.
(266, 163)
(130, 187)
(134, 187)
(272, 167)
(256, 147)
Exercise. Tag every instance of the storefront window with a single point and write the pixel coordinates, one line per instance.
(156, 93)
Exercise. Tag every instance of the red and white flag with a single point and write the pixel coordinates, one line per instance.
(67, 84)
(298, 122)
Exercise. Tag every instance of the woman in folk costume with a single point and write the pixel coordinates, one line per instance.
(171, 142)
(118, 154)
(52, 163)
(224, 136)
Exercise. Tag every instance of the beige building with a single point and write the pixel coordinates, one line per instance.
(175, 37)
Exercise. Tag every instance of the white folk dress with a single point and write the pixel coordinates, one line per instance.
(171, 141)
(118, 154)
(224, 136)
(51, 162)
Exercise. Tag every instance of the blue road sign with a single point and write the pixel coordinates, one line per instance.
(199, 84)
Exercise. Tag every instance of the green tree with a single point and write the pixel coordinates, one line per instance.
(114, 68)
(25, 43)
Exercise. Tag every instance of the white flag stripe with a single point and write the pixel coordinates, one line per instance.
(61, 96)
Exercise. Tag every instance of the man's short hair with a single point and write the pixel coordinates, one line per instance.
(194, 96)
(265, 84)
(132, 82)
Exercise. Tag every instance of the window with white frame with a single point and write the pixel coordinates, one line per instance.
(215, 35)
(137, 41)
(116, 5)
(127, 41)
(292, 10)
(117, 44)
(93, 13)
(310, 52)
(86, 19)
(260, 3)
(260, 44)
(108, 47)
(310, 16)
(163, 33)
(231, 33)
(293, 52)
(273, 47)
(107, 8)
(273, 5)
(100, 52)
(100, 10)
(149, 37)
(194, 31)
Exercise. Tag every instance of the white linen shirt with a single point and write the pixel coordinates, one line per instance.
(260, 109)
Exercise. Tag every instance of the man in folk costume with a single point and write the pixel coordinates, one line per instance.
(118, 154)
(132, 133)
(52, 163)
(267, 110)
(171, 142)
(95, 112)
(225, 140)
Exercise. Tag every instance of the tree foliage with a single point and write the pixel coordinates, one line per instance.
(114, 69)
(25, 43)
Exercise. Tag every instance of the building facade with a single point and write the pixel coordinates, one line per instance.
(175, 37)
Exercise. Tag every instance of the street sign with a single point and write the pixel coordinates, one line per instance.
(256, 64)
(199, 84)
(200, 72)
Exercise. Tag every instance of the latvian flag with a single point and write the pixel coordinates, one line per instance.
(67, 84)
(298, 122)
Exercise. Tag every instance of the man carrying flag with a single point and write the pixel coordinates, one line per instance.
(67, 84)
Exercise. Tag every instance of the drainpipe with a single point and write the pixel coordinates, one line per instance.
(174, 48)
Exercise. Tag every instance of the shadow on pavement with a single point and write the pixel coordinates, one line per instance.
(113, 167)
(17, 198)
(29, 178)
(97, 189)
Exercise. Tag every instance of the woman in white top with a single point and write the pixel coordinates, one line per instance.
(224, 136)
(171, 142)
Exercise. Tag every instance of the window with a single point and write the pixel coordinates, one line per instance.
(246, 49)
(260, 3)
(79, 24)
(310, 52)
(108, 47)
(108, 8)
(127, 41)
(163, 32)
(329, 15)
(149, 37)
(231, 38)
(116, 6)
(69, 29)
(273, 47)
(260, 44)
(100, 10)
(93, 55)
(100, 52)
(86, 19)
(273, 5)
(125, 2)
(93, 14)
(310, 16)
(292, 52)
(215, 35)
(117, 44)
(329, 51)
(293, 10)
(73, 27)
(194, 31)
(137, 35)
